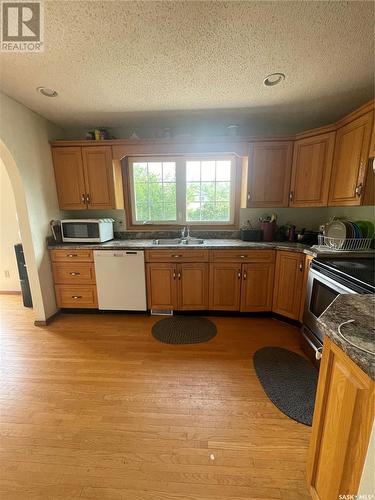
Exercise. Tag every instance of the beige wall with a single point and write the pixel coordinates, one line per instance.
(9, 235)
(25, 150)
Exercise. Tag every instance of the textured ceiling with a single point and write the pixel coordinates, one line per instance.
(115, 61)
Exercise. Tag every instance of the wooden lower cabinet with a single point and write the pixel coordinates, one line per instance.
(177, 286)
(289, 280)
(241, 287)
(74, 278)
(343, 419)
(192, 286)
(257, 287)
(161, 285)
(225, 286)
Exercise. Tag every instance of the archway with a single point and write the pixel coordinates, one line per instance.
(25, 230)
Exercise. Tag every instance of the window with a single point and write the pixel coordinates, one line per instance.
(182, 190)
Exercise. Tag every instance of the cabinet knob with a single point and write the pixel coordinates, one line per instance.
(75, 297)
(248, 196)
(243, 256)
(176, 256)
(358, 189)
(291, 195)
(301, 266)
(74, 274)
(83, 199)
(174, 275)
(179, 276)
(70, 255)
(244, 275)
(88, 198)
(239, 274)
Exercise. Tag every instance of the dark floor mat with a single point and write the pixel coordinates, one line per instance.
(184, 330)
(289, 380)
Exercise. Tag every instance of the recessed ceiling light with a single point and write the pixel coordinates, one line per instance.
(47, 92)
(273, 79)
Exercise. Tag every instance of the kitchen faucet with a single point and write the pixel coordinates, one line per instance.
(185, 232)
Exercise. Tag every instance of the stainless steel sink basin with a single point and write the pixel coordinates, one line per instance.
(178, 241)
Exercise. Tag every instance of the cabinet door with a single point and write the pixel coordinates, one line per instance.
(289, 274)
(311, 171)
(343, 419)
(98, 168)
(350, 162)
(225, 286)
(192, 286)
(161, 286)
(70, 184)
(269, 174)
(257, 287)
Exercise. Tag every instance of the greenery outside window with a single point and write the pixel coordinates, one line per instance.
(182, 190)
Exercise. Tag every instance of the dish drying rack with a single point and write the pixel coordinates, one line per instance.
(343, 244)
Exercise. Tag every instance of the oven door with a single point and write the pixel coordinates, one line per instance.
(80, 231)
(321, 292)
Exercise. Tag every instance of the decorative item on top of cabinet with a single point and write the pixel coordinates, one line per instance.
(311, 170)
(350, 161)
(268, 176)
(86, 178)
(289, 281)
(343, 419)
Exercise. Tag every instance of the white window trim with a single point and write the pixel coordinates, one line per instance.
(181, 189)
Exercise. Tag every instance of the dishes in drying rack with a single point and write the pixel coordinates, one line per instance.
(366, 227)
(339, 233)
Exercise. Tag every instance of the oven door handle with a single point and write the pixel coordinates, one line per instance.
(337, 287)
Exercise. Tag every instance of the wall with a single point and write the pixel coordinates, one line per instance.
(26, 153)
(9, 234)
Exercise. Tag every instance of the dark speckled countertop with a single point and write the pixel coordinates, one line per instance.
(361, 308)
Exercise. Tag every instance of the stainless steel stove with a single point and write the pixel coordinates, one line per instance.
(329, 277)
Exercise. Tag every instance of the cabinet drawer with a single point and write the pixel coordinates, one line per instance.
(177, 255)
(243, 255)
(81, 296)
(73, 273)
(80, 255)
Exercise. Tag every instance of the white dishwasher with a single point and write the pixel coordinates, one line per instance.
(120, 280)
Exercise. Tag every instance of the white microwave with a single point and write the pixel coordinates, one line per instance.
(86, 230)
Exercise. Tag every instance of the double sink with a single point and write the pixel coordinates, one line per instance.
(177, 241)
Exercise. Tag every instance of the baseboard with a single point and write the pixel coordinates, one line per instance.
(8, 292)
(47, 321)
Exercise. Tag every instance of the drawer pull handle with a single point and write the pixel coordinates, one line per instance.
(74, 274)
(72, 255)
(75, 297)
(174, 275)
(176, 256)
(179, 276)
(301, 267)
(243, 256)
(83, 200)
(239, 274)
(244, 275)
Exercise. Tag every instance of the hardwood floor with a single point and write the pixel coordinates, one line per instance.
(92, 407)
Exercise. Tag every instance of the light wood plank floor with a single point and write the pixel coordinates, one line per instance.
(92, 407)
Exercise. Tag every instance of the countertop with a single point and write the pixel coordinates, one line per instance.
(138, 244)
(361, 308)
(209, 244)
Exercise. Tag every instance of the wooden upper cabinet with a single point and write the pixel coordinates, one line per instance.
(289, 280)
(350, 161)
(192, 286)
(269, 173)
(311, 171)
(257, 286)
(225, 286)
(86, 177)
(343, 419)
(372, 143)
(99, 178)
(70, 184)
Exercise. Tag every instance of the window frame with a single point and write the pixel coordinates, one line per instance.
(180, 161)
